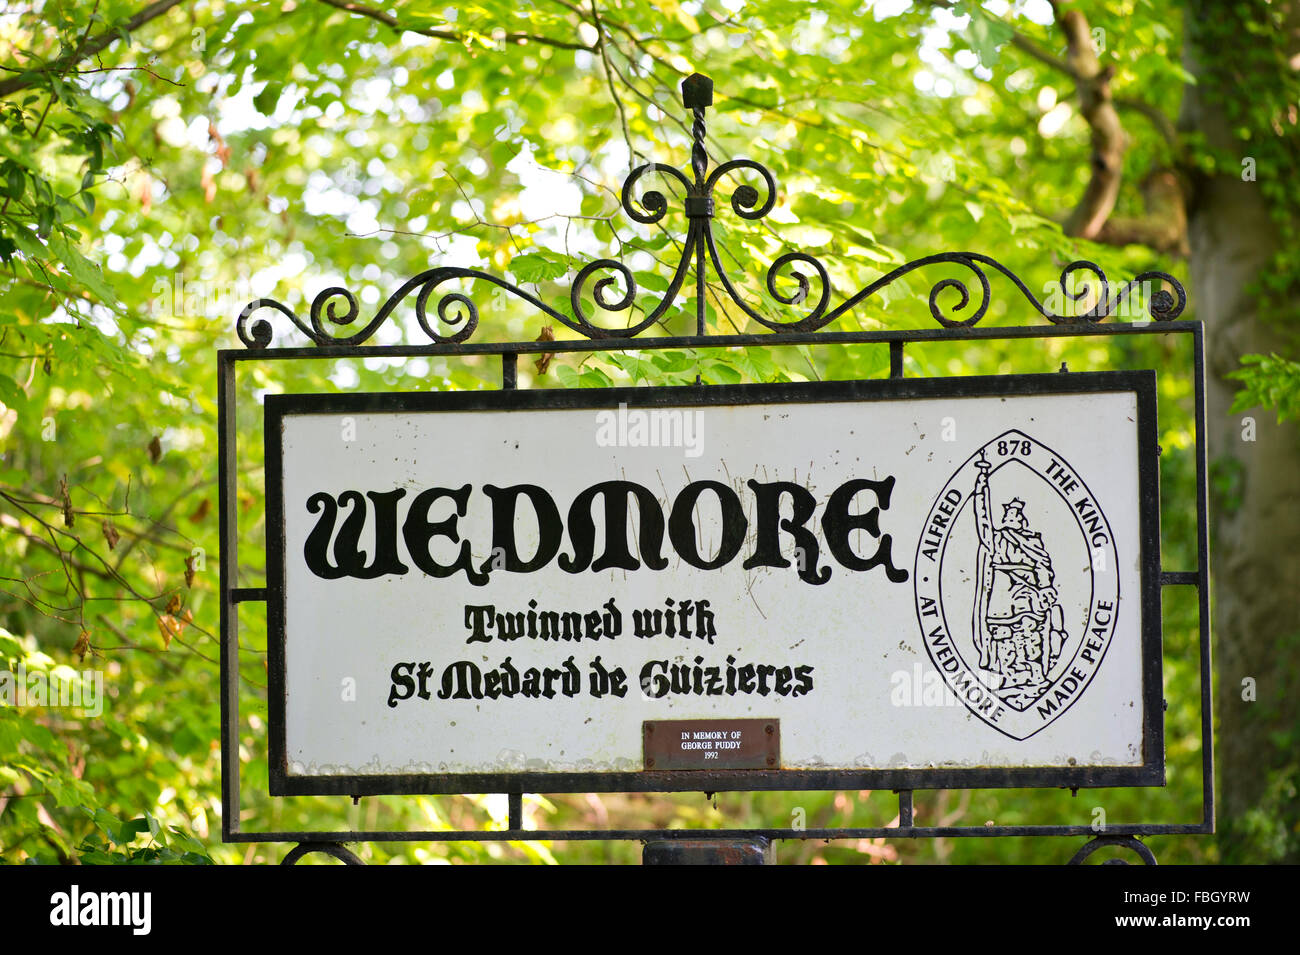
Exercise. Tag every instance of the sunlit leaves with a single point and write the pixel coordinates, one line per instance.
(240, 149)
(1270, 381)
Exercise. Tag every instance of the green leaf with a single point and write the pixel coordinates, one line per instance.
(83, 271)
(567, 376)
(724, 373)
(127, 831)
(265, 101)
(985, 32)
(636, 367)
(594, 378)
(14, 179)
(538, 267)
(12, 394)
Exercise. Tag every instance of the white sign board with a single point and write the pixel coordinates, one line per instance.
(908, 583)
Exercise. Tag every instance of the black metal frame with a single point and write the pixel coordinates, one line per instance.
(455, 308)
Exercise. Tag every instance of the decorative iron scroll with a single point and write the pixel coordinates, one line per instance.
(456, 313)
(335, 850)
(1126, 842)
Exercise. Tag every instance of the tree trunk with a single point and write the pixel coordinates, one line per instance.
(1255, 470)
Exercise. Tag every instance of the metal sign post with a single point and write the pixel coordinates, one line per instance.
(905, 583)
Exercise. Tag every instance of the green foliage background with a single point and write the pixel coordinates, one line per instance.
(227, 150)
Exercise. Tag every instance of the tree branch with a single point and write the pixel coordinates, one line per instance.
(609, 77)
(1108, 140)
(391, 21)
(1164, 228)
(88, 47)
(1163, 124)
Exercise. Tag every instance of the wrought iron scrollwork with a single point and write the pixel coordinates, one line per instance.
(615, 289)
(1125, 842)
(335, 850)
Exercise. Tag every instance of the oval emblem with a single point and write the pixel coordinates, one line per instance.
(1017, 584)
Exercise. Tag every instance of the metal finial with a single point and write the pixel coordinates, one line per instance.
(697, 91)
(697, 96)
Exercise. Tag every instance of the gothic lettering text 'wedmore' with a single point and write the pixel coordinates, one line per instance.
(435, 513)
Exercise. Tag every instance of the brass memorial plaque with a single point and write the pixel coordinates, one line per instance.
(712, 744)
